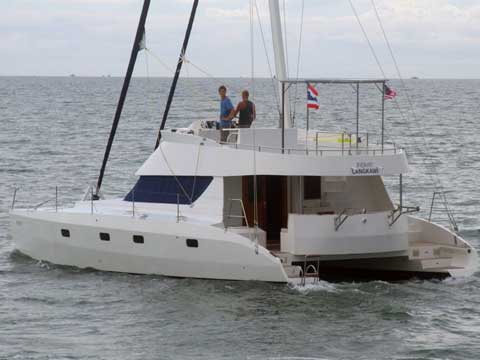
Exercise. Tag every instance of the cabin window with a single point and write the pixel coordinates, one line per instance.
(138, 239)
(104, 236)
(312, 187)
(65, 232)
(169, 189)
(193, 243)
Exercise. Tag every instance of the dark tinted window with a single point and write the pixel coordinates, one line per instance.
(192, 243)
(104, 236)
(312, 189)
(65, 232)
(138, 239)
(169, 189)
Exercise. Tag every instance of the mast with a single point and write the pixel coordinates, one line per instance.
(279, 54)
(131, 65)
(177, 71)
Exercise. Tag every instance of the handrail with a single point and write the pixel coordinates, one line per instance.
(340, 219)
(229, 216)
(243, 216)
(399, 211)
(316, 151)
(306, 268)
(14, 197)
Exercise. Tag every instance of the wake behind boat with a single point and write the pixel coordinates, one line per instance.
(294, 205)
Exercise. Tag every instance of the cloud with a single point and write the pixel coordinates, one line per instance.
(429, 36)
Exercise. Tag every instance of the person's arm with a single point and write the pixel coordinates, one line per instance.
(240, 106)
(231, 114)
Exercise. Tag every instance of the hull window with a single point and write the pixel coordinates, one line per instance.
(104, 236)
(65, 232)
(169, 189)
(138, 239)
(192, 243)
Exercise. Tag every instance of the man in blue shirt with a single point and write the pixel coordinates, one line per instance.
(227, 112)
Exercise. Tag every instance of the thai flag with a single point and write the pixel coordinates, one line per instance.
(389, 93)
(312, 98)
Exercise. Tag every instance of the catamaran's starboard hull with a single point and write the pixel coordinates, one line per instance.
(170, 249)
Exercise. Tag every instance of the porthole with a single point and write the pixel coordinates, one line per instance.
(65, 232)
(104, 236)
(193, 243)
(138, 239)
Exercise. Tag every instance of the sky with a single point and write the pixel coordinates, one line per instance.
(430, 38)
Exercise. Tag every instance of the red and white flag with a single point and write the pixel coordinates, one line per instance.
(312, 98)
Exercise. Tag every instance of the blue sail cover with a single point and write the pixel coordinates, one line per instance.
(166, 189)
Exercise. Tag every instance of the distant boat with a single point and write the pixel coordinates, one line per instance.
(72, 75)
(282, 204)
(414, 78)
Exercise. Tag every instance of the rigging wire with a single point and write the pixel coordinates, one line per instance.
(285, 35)
(160, 61)
(147, 70)
(412, 109)
(436, 183)
(255, 185)
(180, 185)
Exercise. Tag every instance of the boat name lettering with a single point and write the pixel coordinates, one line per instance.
(366, 168)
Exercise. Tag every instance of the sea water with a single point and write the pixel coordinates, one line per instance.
(53, 132)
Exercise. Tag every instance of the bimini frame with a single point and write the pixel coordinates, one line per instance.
(379, 83)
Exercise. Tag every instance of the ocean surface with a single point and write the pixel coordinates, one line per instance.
(53, 132)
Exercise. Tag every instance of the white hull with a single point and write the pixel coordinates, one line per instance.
(220, 254)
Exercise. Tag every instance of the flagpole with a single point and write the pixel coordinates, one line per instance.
(383, 112)
(307, 127)
(358, 111)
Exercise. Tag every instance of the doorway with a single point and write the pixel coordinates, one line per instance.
(272, 205)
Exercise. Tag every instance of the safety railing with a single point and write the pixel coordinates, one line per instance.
(445, 209)
(35, 207)
(320, 151)
(346, 144)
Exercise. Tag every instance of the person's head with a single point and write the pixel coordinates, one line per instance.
(245, 95)
(222, 91)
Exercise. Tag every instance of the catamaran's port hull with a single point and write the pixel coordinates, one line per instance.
(170, 249)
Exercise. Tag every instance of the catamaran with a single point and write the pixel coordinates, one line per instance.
(296, 205)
